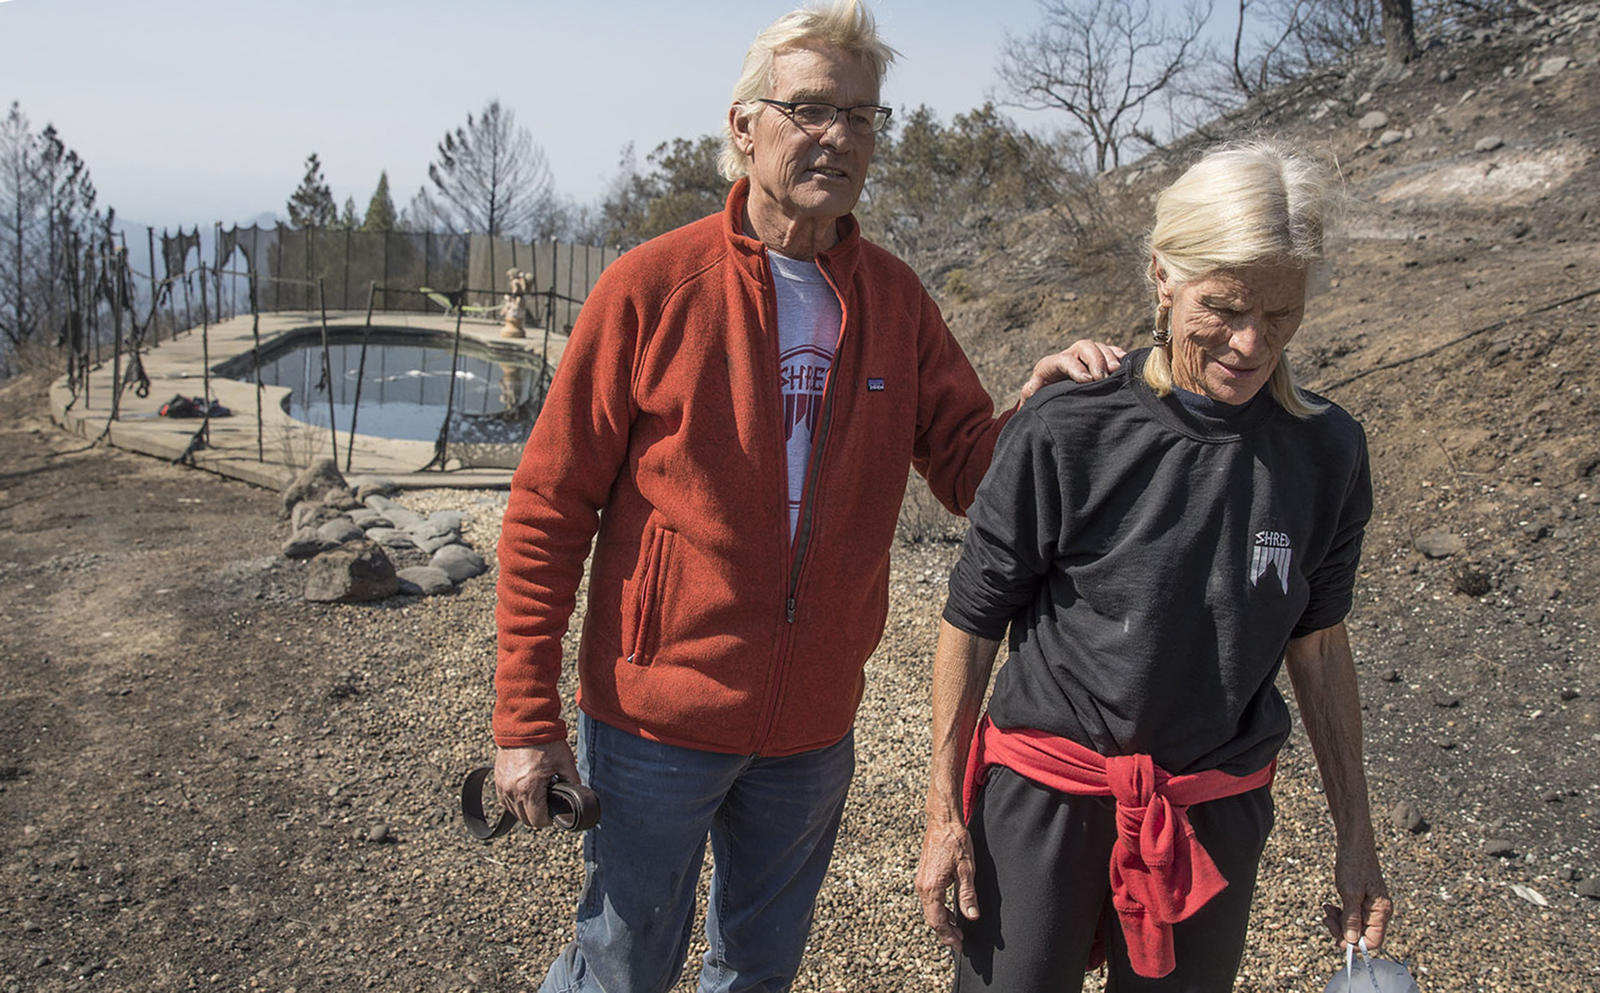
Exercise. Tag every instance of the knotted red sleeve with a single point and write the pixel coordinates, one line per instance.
(1160, 873)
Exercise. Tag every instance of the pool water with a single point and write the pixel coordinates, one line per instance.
(406, 385)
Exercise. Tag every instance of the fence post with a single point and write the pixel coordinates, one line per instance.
(572, 269)
(327, 370)
(361, 374)
(188, 315)
(116, 340)
(205, 315)
(155, 288)
(255, 358)
(205, 358)
(344, 298)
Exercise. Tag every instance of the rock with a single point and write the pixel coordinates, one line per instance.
(1472, 581)
(1391, 138)
(378, 502)
(1390, 676)
(432, 543)
(1549, 69)
(340, 498)
(1499, 847)
(1447, 75)
(390, 537)
(1439, 544)
(1488, 144)
(367, 518)
(1567, 874)
(311, 514)
(430, 537)
(1372, 120)
(459, 562)
(402, 518)
(452, 519)
(1446, 701)
(303, 544)
(424, 580)
(355, 572)
(1519, 228)
(368, 485)
(313, 483)
(339, 530)
(1407, 817)
(1590, 888)
(379, 834)
(32, 927)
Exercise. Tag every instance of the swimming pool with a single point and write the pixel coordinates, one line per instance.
(406, 384)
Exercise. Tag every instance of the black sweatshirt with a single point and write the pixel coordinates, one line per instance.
(1153, 564)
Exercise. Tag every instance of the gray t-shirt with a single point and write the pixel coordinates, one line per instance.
(809, 317)
(1153, 562)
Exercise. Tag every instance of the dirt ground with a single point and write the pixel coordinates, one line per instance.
(208, 783)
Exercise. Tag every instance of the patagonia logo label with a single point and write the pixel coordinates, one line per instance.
(874, 385)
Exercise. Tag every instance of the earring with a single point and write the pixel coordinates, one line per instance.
(1162, 332)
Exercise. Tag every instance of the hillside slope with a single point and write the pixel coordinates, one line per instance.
(1460, 327)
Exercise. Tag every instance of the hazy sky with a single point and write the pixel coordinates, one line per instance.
(191, 111)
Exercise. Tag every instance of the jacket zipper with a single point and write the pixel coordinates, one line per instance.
(802, 534)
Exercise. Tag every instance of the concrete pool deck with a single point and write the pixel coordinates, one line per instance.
(177, 366)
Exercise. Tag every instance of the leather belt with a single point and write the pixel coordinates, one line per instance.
(573, 806)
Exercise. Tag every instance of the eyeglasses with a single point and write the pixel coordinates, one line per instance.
(814, 118)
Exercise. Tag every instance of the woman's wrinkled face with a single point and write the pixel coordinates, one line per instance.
(1229, 327)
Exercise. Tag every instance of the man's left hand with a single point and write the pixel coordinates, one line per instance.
(1083, 361)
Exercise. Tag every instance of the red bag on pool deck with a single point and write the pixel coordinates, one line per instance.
(1370, 975)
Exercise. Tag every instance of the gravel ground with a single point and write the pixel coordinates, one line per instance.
(208, 783)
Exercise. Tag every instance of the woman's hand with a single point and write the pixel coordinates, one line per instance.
(1367, 907)
(947, 861)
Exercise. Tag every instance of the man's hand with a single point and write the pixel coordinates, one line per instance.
(1083, 361)
(522, 775)
(947, 861)
(1367, 907)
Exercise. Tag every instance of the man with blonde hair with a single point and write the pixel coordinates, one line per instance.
(732, 425)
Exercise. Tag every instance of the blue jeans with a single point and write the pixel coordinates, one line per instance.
(772, 824)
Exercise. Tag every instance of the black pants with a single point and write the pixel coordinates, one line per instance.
(1044, 887)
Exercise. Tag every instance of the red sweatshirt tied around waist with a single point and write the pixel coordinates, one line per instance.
(1160, 873)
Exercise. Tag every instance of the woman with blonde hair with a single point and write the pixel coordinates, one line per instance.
(1158, 544)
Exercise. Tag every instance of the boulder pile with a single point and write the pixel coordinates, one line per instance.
(353, 534)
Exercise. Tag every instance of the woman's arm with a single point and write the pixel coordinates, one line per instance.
(961, 668)
(1324, 677)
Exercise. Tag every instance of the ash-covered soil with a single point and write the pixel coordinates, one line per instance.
(209, 783)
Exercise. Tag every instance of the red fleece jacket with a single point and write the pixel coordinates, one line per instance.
(661, 440)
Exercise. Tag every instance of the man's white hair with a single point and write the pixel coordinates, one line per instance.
(844, 25)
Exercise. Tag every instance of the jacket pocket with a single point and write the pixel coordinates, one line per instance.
(648, 602)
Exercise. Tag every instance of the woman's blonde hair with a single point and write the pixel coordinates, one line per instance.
(1248, 204)
(845, 25)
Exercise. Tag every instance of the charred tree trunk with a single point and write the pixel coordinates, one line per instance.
(1399, 31)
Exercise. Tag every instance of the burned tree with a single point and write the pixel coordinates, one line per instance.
(1101, 61)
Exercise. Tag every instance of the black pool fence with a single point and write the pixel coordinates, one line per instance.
(556, 278)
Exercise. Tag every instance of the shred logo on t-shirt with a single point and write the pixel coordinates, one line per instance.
(1272, 551)
(802, 375)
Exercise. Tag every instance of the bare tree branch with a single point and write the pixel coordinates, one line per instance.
(1101, 61)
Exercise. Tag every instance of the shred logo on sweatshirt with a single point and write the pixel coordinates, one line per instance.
(1272, 551)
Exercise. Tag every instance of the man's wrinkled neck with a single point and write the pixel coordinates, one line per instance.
(801, 238)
